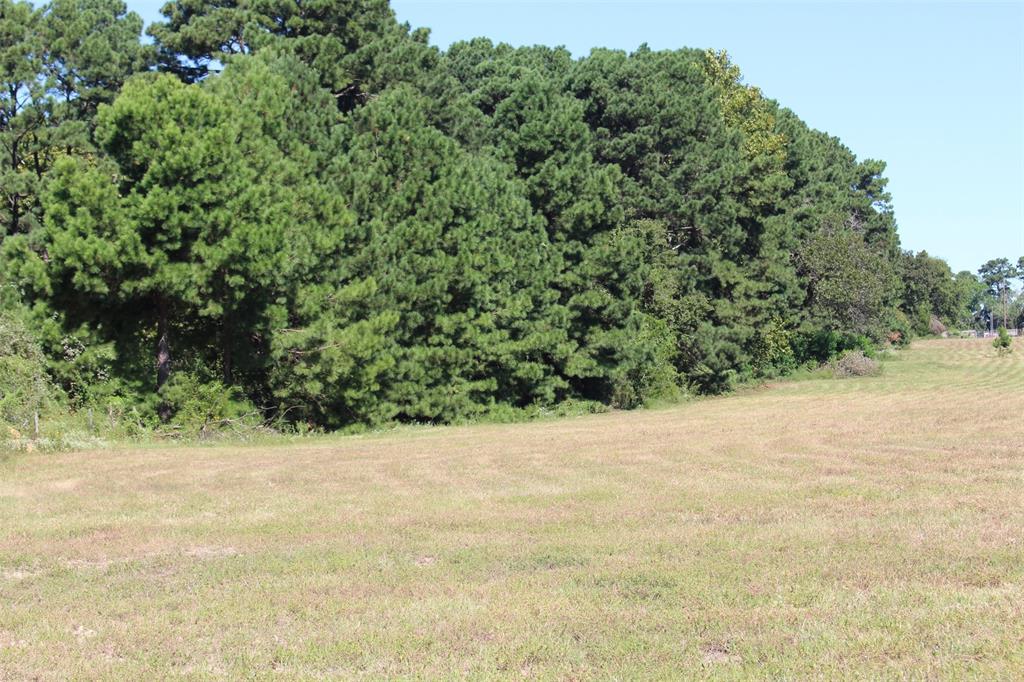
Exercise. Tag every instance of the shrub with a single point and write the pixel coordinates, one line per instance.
(1003, 343)
(200, 408)
(855, 363)
(773, 349)
(900, 332)
(646, 370)
(24, 386)
(922, 319)
(821, 346)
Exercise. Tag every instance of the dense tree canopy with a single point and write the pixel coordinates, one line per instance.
(305, 208)
(58, 63)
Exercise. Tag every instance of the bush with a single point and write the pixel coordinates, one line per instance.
(24, 387)
(645, 371)
(821, 346)
(772, 351)
(921, 321)
(900, 332)
(1003, 343)
(200, 408)
(855, 363)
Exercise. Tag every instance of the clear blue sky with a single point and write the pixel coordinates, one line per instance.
(934, 89)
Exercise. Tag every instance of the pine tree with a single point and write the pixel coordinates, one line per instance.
(457, 253)
(184, 225)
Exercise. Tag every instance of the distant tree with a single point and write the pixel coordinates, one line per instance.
(998, 274)
(928, 290)
(969, 294)
(1020, 296)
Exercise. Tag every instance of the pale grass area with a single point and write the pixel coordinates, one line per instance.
(867, 527)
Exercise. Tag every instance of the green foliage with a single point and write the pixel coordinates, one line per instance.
(645, 371)
(190, 222)
(330, 371)
(201, 407)
(929, 289)
(343, 40)
(998, 275)
(773, 349)
(850, 284)
(818, 346)
(1003, 343)
(309, 215)
(25, 389)
(969, 295)
(57, 64)
(744, 108)
(91, 48)
(900, 329)
(458, 255)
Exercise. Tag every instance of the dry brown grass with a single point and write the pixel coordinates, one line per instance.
(864, 528)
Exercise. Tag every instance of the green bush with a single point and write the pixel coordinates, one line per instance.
(646, 370)
(773, 350)
(922, 320)
(821, 345)
(900, 332)
(24, 387)
(200, 408)
(1003, 343)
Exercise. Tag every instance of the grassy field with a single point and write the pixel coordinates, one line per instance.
(824, 528)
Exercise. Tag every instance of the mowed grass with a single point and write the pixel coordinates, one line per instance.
(825, 528)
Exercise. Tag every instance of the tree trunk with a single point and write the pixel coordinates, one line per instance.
(1006, 306)
(15, 206)
(227, 332)
(163, 356)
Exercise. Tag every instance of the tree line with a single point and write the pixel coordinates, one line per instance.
(307, 210)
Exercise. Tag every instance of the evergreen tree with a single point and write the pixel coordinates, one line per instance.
(327, 216)
(457, 253)
(183, 228)
(538, 128)
(340, 39)
(21, 119)
(654, 115)
(57, 64)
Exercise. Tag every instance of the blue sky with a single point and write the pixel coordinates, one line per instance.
(934, 89)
